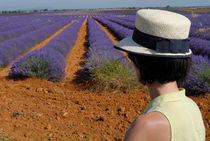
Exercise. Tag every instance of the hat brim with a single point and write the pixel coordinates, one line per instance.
(130, 46)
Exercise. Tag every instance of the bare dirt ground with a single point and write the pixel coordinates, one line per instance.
(39, 110)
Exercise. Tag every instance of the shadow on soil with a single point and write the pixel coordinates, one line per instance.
(19, 78)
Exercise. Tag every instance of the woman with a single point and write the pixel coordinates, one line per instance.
(159, 49)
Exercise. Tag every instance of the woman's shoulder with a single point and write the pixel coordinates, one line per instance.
(149, 127)
(153, 119)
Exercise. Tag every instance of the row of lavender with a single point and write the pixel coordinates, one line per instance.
(16, 29)
(100, 47)
(199, 77)
(9, 23)
(48, 62)
(11, 49)
(108, 68)
(40, 22)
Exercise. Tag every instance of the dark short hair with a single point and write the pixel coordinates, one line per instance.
(161, 69)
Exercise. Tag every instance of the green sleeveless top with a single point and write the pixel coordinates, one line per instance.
(183, 114)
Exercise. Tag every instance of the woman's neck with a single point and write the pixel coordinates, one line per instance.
(157, 89)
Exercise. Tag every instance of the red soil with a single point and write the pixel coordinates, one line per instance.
(35, 110)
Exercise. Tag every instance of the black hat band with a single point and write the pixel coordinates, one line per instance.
(159, 44)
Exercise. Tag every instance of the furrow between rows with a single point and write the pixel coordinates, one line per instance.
(76, 55)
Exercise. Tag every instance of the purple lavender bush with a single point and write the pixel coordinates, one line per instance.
(40, 64)
(198, 79)
(48, 62)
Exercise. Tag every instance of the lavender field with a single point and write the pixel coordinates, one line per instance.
(62, 79)
(20, 33)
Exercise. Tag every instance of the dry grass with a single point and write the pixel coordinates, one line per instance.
(203, 30)
(197, 10)
(113, 75)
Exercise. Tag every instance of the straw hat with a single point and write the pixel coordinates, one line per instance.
(158, 33)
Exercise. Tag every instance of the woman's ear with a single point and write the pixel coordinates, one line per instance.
(132, 58)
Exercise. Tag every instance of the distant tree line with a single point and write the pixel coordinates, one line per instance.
(168, 7)
(9, 12)
(23, 11)
(45, 10)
